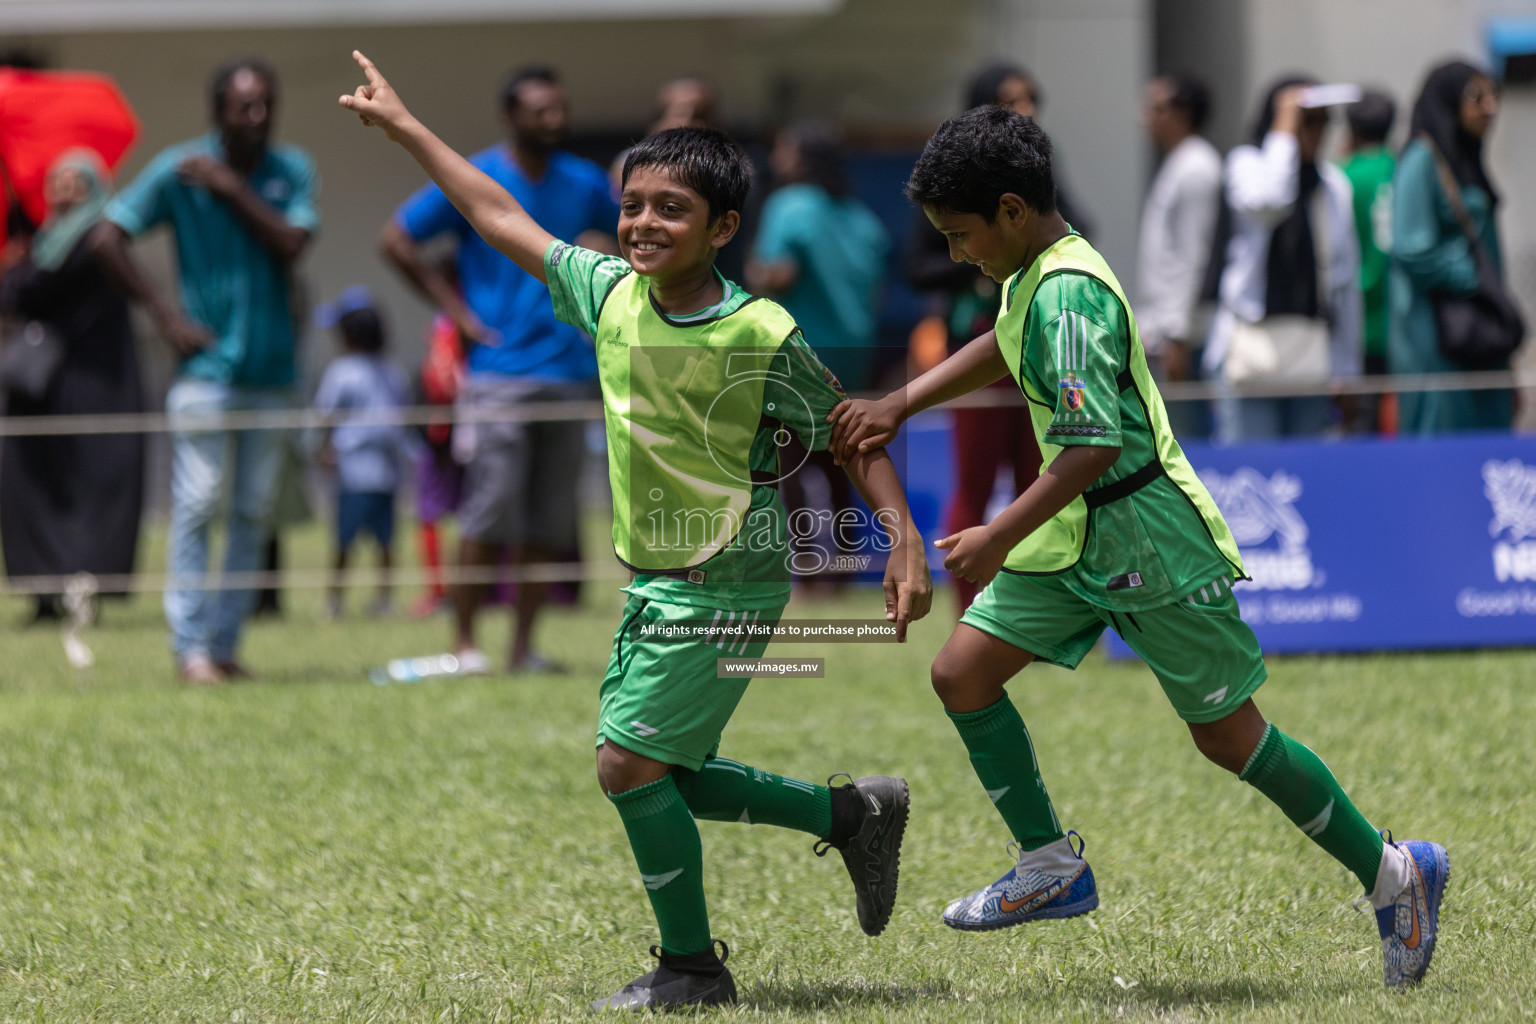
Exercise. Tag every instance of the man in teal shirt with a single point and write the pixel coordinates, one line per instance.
(1369, 168)
(241, 210)
(821, 252)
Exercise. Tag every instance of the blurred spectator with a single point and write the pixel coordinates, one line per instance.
(369, 457)
(821, 252)
(1178, 223)
(1369, 167)
(439, 477)
(242, 210)
(1289, 303)
(521, 477)
(684, 103)
(72, 504)
(1430, 252)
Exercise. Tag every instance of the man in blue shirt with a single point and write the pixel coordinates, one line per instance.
(241, 210)
(520, 480)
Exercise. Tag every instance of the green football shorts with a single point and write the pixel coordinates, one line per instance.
(1202, 652)
(661, 698)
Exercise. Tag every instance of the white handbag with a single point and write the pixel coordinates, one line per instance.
(1290, 348)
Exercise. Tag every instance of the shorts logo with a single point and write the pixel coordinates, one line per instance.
(642, 730)
(1215, 698)
(1072, 388)
(1124, 582)
(696, 576)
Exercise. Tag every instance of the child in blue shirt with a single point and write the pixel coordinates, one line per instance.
(366, 455)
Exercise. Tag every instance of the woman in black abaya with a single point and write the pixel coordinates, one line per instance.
(72, 504)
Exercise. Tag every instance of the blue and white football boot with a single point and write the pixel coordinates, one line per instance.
(1408, 924)
(1051, 882)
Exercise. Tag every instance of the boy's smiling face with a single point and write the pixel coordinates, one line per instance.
(998, 248)
(664, 226)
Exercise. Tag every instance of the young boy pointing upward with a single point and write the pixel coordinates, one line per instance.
(701, 384)
(1118, 532)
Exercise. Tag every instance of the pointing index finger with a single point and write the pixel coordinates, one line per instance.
(374, 78)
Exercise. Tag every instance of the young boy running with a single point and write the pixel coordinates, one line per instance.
(1117, 532)
(701, 385)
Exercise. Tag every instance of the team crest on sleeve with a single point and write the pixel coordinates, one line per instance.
(1072, 391)
(830, 379)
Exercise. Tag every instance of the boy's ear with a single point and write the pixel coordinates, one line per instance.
(1013, 209)
(725, 228)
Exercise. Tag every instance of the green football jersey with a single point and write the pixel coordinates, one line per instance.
(1147, 532)
(696, 410)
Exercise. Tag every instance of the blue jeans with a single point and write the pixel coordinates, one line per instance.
(1264, 419)
(203, 466)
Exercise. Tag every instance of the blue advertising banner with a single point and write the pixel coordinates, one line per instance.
(1355, 545)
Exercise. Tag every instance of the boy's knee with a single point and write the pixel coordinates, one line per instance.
(1222, 747)
(956, 684)
(1230, 741)
(620, 770)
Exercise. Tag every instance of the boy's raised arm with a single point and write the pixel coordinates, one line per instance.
(859, 425)
(499, 219)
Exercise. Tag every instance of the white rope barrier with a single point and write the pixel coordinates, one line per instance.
(314, 579)
(452, 575)
(531, 412)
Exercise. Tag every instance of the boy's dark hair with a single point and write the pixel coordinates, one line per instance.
(973, 160)
(514, 81)
(1370, 117)
(362, 330)
(704, 159)
(1189, 94)
(218, 82)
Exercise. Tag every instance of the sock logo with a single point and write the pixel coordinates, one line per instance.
(1315, 827)
(657, 881)
(997, 794)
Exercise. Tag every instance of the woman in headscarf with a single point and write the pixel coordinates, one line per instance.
(1431, 253)
(72, 504)
(1291, 264)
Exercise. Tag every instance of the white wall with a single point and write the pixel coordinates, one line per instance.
(1091, 58)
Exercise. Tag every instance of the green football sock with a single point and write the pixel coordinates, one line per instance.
(1302, 786)
(1004, 760)
(671, 860)
(726, 790)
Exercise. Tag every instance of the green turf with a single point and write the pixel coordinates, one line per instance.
(315, 848)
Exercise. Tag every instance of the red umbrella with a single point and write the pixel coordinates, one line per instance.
(45, 113)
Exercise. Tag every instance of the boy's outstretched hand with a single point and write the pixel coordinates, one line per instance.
(376, 103)
(976, 554)
(861, 425)
(908, 587)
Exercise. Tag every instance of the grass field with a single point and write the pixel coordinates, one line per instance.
(311, 847)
